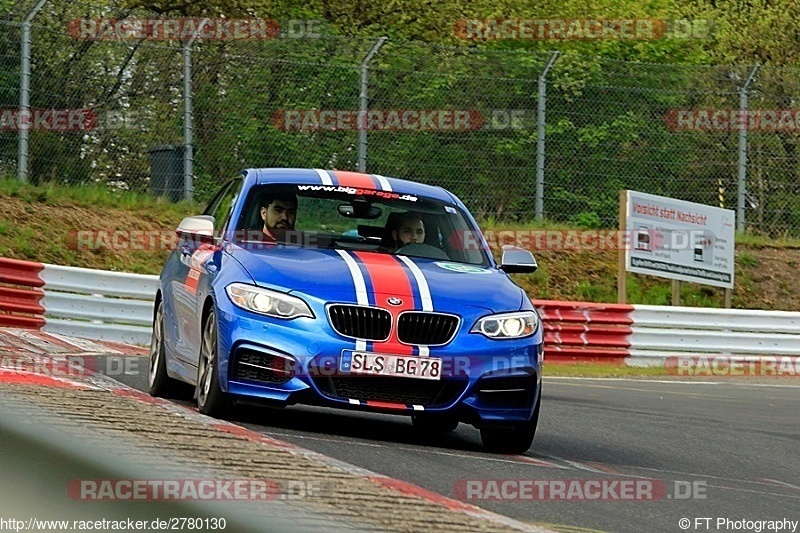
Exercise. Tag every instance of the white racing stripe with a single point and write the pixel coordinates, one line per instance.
(422, 283)
(324, 176)
(361, 289)
(424, 294)
(385, 185)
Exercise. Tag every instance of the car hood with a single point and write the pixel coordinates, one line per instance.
(339, 275)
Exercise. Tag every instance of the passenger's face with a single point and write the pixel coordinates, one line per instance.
(411, 231)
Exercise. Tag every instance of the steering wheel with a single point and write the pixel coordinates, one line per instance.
(422, 250)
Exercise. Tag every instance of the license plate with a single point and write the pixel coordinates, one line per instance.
(376, 364)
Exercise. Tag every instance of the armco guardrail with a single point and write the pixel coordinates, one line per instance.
(80, 302)
(118, 306)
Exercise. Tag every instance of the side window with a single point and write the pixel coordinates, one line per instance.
(222, 204)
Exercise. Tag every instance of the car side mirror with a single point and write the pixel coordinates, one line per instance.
(517, 260)
(199, 227)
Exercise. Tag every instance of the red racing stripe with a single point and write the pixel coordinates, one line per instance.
(389, 278)
(355, 179)
(386, 405)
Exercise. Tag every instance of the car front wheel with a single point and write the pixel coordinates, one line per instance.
(516, 440)
(210, 398)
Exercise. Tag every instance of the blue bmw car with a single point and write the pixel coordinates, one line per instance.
(352, 291)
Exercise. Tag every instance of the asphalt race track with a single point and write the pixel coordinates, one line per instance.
(609, 455)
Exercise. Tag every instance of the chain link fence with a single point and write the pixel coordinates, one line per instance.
(464, 118)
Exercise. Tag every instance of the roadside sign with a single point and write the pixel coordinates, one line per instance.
(679, 240)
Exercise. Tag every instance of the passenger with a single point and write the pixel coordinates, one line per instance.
(410, 229)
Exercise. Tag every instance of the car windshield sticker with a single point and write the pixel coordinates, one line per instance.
(458, 267)
(358, 191)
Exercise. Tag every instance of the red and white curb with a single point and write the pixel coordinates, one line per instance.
(33, 357)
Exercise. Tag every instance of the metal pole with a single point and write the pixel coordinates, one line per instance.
(25, 92)
(188, 116)
(362, 105)
(743, 150)
(540, 123)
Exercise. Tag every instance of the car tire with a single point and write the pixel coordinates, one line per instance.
(210, 398)
(159, 382)
(512, 441)
(434, 424)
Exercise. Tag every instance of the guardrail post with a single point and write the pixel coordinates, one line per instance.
(363, 103)
(541, 106)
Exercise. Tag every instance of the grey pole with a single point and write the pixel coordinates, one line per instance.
(362, 105)
(188, 117)
(541, 106)
(743, 150)
(25, 92)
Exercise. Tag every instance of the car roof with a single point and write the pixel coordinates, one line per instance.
(310, 176)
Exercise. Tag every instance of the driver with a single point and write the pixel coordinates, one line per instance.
(278, 213)
(410, 230)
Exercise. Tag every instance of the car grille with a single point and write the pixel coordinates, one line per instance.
(361, 322)
(407, 391)
(373, 323)
(250, 365)
(426, 328)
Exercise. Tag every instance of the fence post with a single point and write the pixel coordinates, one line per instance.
(743, 150)
(362, 105)
(540, 123)
(25, 92)
(188, 116)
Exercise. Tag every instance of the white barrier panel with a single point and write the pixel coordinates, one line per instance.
(101, 331)
(657, 316)
(90, 281)
(661, 331)
(99, 304)
(97, 307)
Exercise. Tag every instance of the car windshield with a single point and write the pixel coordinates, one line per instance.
(376, 221)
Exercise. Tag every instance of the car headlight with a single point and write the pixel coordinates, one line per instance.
(507, 325)
(267, 302)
